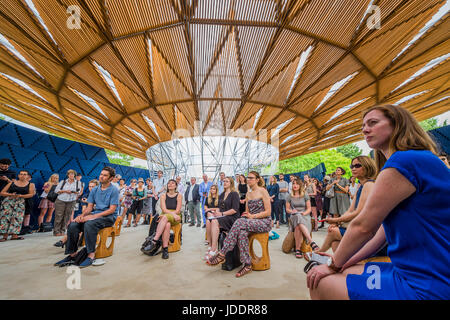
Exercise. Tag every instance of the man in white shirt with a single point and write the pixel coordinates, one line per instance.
(160, 185)
(220, 182)
(116, 180)
(284, 192)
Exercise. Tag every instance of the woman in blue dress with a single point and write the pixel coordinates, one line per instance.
(407, 208)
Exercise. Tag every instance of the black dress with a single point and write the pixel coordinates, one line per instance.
(22, 190)
(231, 202)
(242, 193)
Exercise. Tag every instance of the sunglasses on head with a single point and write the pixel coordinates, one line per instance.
(358, 165)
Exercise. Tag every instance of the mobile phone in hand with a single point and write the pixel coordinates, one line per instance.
(319, 258)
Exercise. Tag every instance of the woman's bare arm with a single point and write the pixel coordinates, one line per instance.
(368, 249)
(389, 190)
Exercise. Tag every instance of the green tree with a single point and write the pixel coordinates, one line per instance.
(331, 158)
(350, 150)
(429, 124)
(119, 158)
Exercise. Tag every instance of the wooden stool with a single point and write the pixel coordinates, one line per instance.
(305, 247)
(375, 259)
(176, 245)
(101, 250)
(118, 225)
(260, 263)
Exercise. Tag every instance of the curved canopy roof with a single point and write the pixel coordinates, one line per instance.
(134, 71)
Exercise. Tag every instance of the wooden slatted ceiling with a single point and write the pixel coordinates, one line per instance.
(219, 62)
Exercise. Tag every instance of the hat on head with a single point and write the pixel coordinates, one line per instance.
(141, 180)
(327, 178)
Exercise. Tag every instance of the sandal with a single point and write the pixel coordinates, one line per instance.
(215, 260)
(314, 246)
(17, 238)
(245, 269)
(298, 254)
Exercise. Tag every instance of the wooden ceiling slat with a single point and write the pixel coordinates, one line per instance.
(221, 62)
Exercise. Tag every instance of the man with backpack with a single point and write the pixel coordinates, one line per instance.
(68, 191)
(105, 197)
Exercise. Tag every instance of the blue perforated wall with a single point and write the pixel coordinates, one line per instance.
(43, 155)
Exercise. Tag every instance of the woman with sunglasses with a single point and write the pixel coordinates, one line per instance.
(341, 201)
(407, 208)
(255, 219)
(363, 168)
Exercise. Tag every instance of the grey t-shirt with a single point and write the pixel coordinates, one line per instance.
(283, 185)
(298, 203)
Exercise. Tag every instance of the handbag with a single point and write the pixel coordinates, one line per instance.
(330, 193)
(288, 242)
(232, 258)
(52, 195)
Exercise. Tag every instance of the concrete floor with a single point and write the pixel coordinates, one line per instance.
(27, 271)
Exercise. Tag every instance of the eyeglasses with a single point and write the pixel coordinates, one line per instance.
(358, 165)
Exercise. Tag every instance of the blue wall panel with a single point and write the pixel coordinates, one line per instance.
(46, 154)
(44, 143)
(8, 134)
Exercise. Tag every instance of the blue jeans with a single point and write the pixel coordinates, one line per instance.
(91, 229)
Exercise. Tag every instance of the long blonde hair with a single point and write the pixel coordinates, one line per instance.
(301, 191)
(50, 179)
(407, 134)
(216, 200)
(232, 188)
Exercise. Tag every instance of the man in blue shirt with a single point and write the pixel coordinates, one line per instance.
(105, 197)
(204, 191)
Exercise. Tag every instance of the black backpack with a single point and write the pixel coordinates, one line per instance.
(77, 260)
(151, 235)
(45, 227)
(232, 258)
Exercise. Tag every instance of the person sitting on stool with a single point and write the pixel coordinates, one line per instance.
(105, 197)
(170, 216)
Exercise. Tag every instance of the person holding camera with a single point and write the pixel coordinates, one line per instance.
(68, 191)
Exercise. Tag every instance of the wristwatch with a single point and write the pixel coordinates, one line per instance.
(332, 266)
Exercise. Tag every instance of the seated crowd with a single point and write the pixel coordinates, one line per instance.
(392, 206)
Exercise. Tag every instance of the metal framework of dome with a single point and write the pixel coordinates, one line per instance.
(135, 71)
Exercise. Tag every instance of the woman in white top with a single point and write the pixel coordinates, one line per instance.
(353, 187)
(46, 205)
(67, 191)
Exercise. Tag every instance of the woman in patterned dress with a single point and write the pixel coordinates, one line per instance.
(255, 219)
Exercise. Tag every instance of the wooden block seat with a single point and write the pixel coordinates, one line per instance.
(176, 245)
(118, 225)
(305, 246)
(375, 259)
(102, 251)
(260, 263)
